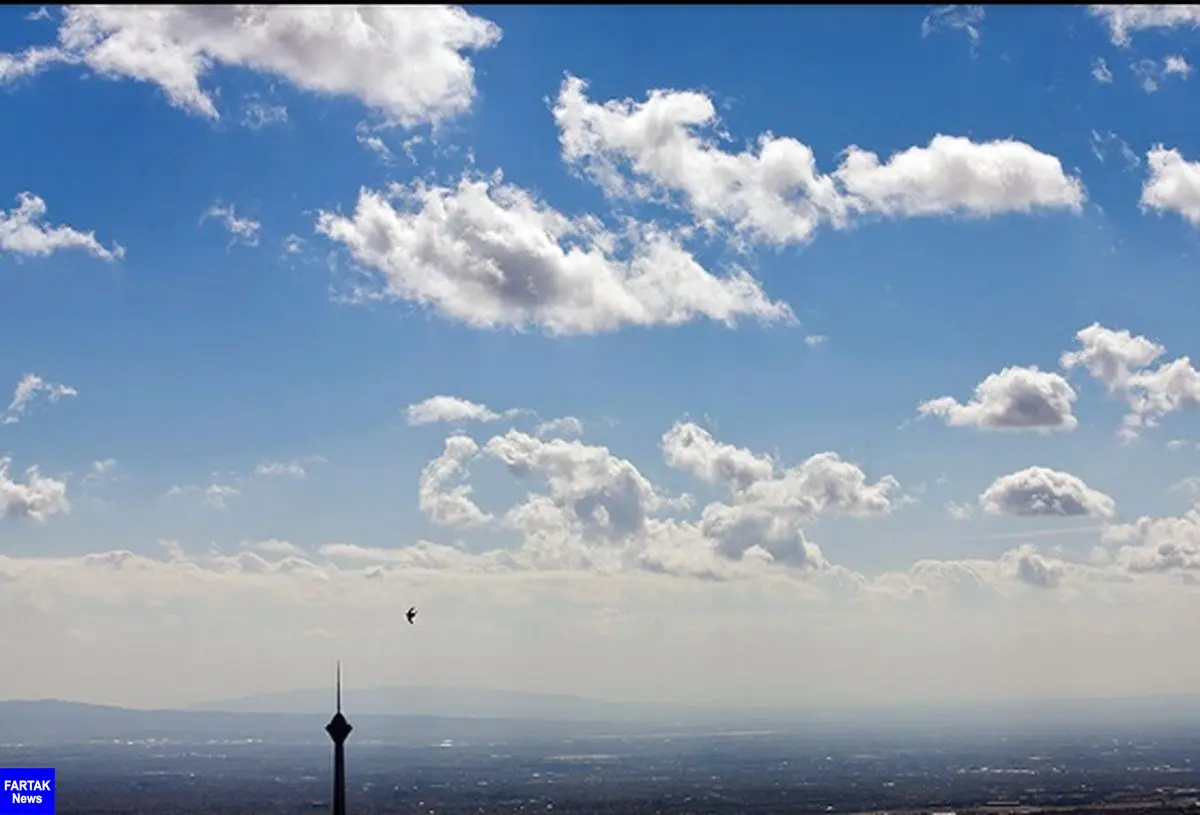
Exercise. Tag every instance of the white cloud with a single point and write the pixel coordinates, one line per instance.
(956, 176)
(376, 146)
(768, 508)
(1151, 72)
(1175, 65)
(24, 232)
(405, 61)
(454, 410)
(28, 63)
(687, 446)
(1042, 492)
(563, 426)
(37, 498)
(241, 230)
(215, 495)
(28, 389)
(814, 340)
(592, 533)
(1101, 72)
(659, 148)
(450, 507)
(959, 18)
(1147, 71)
(1014, 399)
(846, 628)
(489, 255)
(274, 546)
(100, 471)
(1189, 486)
(218, 495)
(589, 488)
(1111, 356)
(959, 512)
(1173, 184)
(294, 468)
(257, 114)
(1124, 20)
(1100, 144)
(600, 512)
(1121, 361)
(293, 244)
(363, 133)
(1157, 544)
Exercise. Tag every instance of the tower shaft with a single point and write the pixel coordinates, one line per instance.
(339, 730)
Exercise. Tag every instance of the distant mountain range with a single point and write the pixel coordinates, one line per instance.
(453, 702)
(482, 703)
(51, 721)
(426, 716)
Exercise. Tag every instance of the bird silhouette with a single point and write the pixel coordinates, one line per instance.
(411, 615)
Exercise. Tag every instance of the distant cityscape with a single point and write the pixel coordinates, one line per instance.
(166, 762)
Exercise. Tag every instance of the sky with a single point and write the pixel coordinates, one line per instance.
(752, 355)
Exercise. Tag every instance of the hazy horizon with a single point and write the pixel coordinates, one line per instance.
(454, 702)
(654, 357)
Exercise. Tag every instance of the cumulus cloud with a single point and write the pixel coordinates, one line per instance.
(28, 389)
(454, 410)
(769, 506)
(1101, 72)
(450, 506)
(1124, 20)
(36, 499)
(1157, 545)
(1014, 399)
(590, 514)
(1121, 362)
(1042, 492)
(1110, 355)
(407, 62)
(241, 230)
(23, 231)
(489, 255)
(1173, 184)
(599, 512)
(687, 446)
(666, 148)
(600, 494)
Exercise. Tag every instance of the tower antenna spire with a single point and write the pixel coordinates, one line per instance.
(339, 686)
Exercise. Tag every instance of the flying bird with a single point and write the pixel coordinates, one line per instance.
(411, 615)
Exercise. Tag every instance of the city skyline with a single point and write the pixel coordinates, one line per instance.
(858, 371)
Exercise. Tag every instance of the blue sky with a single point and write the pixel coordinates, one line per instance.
(195, 357)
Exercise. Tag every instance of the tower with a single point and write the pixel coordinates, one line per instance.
(339, 730)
